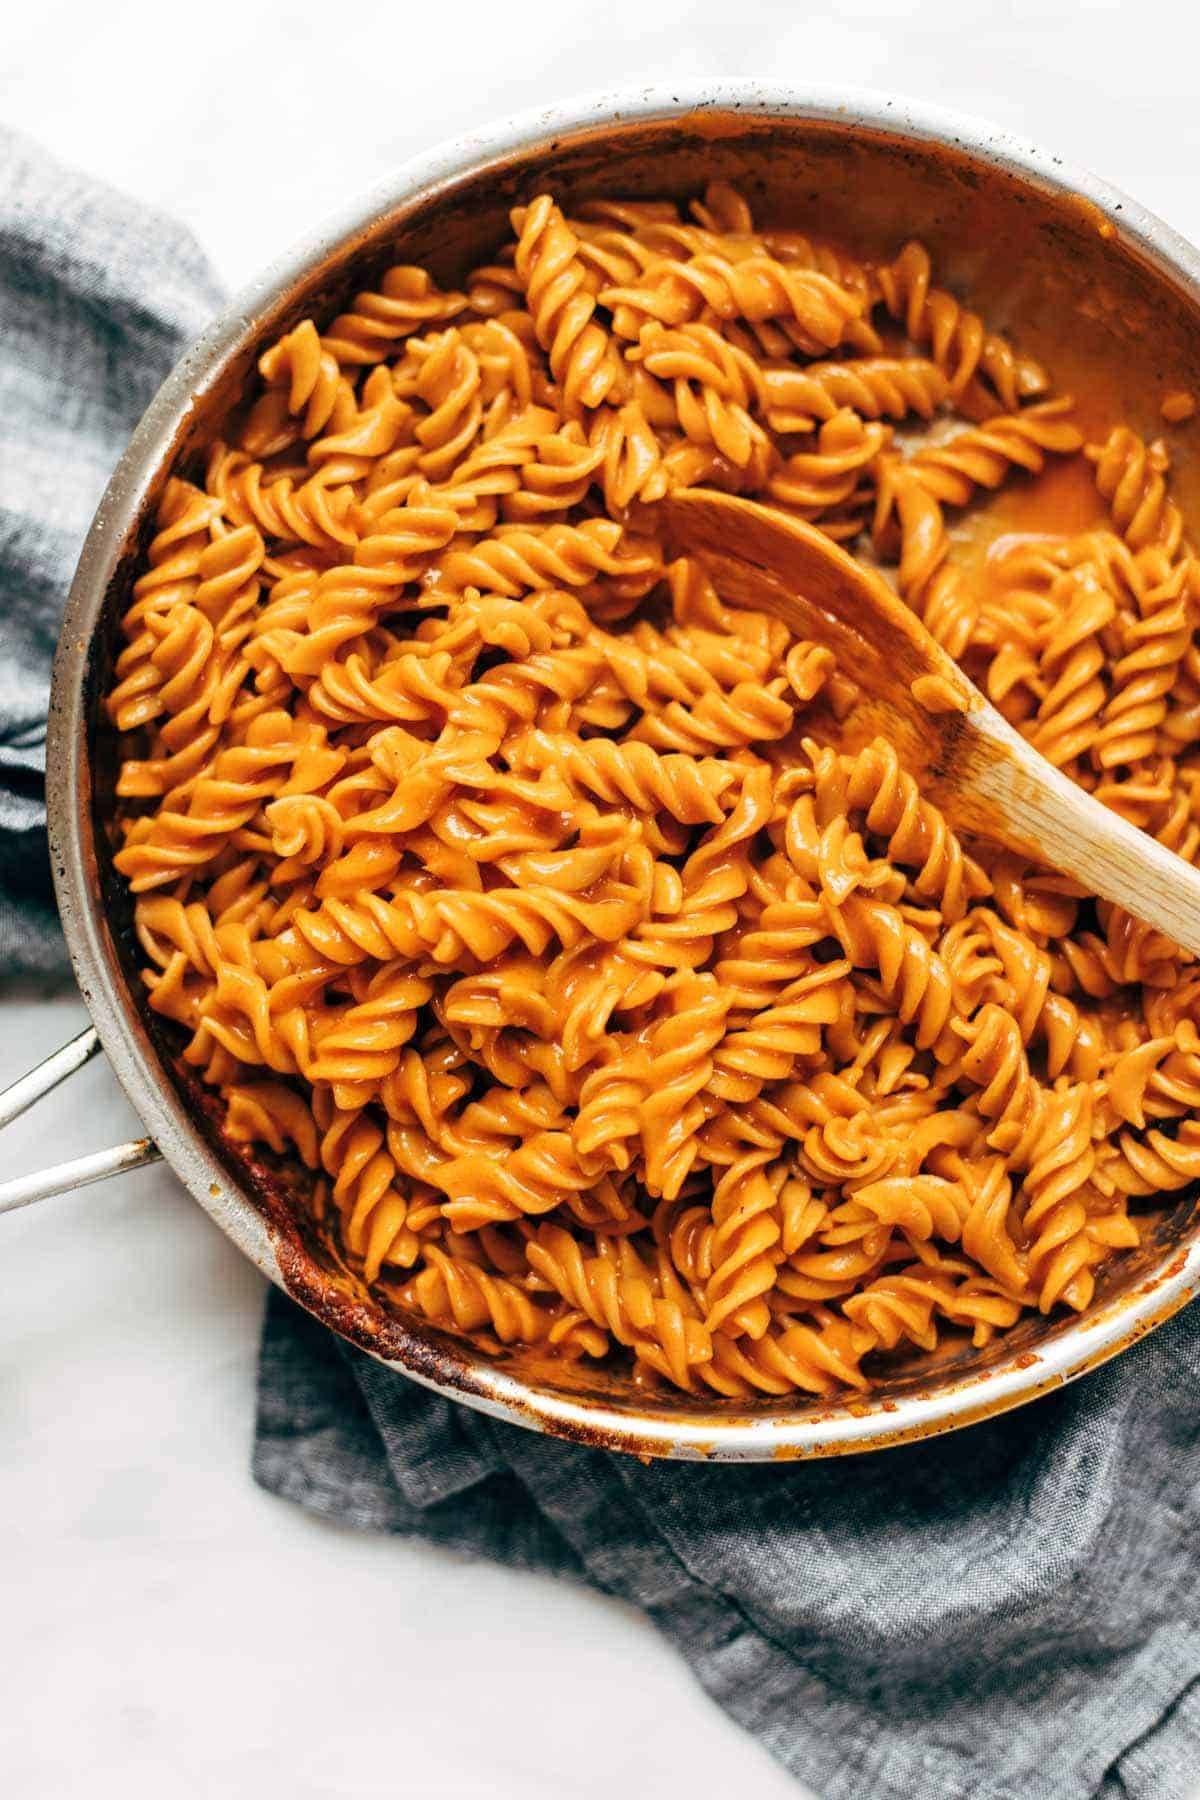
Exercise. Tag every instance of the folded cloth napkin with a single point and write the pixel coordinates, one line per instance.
(1009, 1614)
(97, 298)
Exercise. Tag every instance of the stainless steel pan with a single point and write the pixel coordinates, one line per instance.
(1106, 290)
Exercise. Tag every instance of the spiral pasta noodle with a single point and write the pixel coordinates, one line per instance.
(501, 876)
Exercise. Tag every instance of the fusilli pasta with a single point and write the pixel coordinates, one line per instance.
(500, 874)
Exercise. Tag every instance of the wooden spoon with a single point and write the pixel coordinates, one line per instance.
(969, 761)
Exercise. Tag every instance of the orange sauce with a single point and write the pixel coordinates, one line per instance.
(1178, 405)
(1060, 502)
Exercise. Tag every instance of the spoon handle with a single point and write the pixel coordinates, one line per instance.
(1067, 829)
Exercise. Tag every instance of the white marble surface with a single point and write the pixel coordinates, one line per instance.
(170, 1631)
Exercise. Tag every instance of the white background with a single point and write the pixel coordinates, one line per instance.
(167, 1630)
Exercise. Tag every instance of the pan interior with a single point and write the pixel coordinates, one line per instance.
(1049, 270)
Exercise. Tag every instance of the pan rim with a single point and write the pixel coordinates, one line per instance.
(722, 1433)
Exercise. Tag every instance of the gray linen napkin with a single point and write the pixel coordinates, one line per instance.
(97, 298)
(1009, 1614)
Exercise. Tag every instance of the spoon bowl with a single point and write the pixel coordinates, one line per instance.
(969, 761)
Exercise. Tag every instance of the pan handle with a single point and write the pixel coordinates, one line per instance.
(23, 1190)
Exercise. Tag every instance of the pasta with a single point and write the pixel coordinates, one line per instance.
(495, 870)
